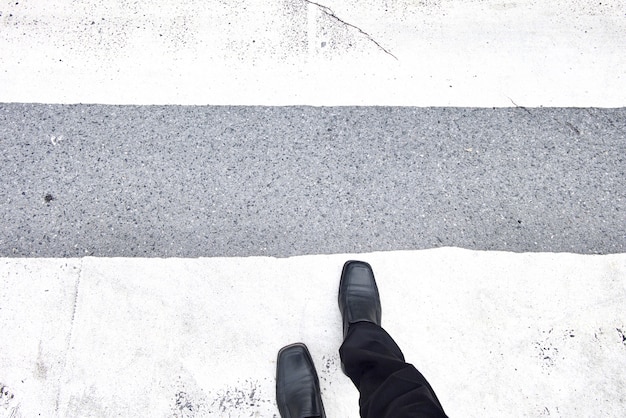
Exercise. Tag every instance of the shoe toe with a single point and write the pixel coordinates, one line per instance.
(297, 384)
(358, 294)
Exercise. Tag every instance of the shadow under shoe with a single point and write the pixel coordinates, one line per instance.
(297, 385)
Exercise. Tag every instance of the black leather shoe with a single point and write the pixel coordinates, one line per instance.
(297, 386)
(358, 295)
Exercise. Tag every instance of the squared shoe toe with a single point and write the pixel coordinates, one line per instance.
(358, 295)
(297, 385)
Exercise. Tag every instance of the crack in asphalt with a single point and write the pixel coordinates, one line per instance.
(329, 12)
(520, 107)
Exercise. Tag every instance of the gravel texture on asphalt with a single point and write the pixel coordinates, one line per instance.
(186, 181)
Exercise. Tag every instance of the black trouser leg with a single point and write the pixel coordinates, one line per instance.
(389, 387)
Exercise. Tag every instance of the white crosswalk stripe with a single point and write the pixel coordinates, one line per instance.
(294, 52)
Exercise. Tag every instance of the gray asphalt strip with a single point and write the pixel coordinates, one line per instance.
(185, 181)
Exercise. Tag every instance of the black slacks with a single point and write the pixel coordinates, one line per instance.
(389, 387)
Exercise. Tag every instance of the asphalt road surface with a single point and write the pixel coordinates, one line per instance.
(184, 181)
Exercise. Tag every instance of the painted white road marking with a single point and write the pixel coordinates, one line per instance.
(342, 52)
(496, 334)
